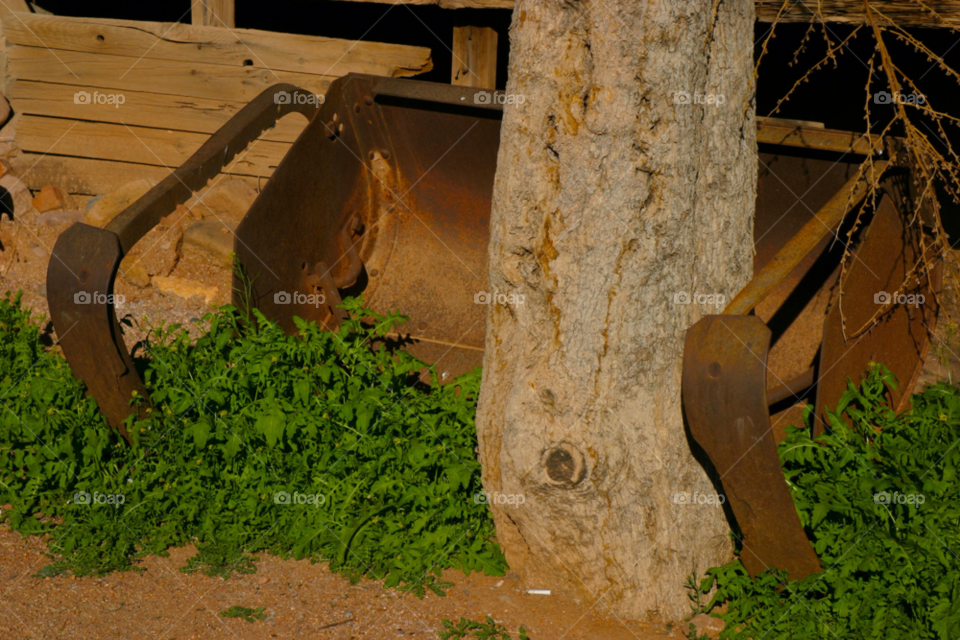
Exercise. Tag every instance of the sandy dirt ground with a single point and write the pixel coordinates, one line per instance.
(301, 600)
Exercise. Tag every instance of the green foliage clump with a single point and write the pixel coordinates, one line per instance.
(310, 446)
(247, 613)
(489, 629)
(880, 504)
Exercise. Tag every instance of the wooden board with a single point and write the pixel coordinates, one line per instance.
(84, 176)
(908, 13)
(214, 13)
(80, 175)
(198, 115)
(474, 57)
(140, 145)
(197, 80)
(243, 49)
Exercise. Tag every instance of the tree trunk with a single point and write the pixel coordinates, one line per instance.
(614, 194)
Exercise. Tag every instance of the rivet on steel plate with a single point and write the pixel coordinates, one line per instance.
(367, 100)
(714, 369)
(385, 154)
(356, 108)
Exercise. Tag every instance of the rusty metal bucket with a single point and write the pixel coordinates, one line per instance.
(386, 192)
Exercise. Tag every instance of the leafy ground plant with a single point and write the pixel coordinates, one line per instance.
(311, 446)
(248, 614)
(489, 629)
(879, 501)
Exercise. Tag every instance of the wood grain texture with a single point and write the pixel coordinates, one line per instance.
(140, 145)
(120, 73)
(474, 57)
(247, 49)
(214, 13)
(86, 176)
(932, 13)
(162, 111)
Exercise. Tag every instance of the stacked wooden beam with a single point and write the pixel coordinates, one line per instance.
(179, 83)
(906, 13)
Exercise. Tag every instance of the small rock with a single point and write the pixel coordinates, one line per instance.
(14, 194)
(227, 200)
(53, 218)
(263, 580)
(212, 236)
(133, 271)
(183, 288)
(707, 625)
(37, 250)
(109, 205)
(17, 194)
(42, 290)
(49, 198)
(178, 216)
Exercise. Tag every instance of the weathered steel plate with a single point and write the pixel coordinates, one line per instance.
(725, 400)
(901, 336)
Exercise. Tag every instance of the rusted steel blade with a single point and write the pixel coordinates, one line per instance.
(83, 266)
(806, 239)
(874, 282)
(80, 294)
(724, 397)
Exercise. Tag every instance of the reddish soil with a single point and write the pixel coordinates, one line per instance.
(302, 600)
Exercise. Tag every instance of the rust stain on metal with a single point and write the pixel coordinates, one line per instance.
(882, 275)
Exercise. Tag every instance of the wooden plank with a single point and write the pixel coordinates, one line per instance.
(85, 176)
(452, 4)
(247, 49)
(179, 113)
(8, 6)
(907, 13)
(140, 145)
(213, 13)
(196, 80)
(474, 57)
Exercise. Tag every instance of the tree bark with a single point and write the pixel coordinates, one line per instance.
(612, 197)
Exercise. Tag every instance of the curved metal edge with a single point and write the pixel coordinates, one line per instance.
(724, 398)
(85, 259)
(80, 280)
